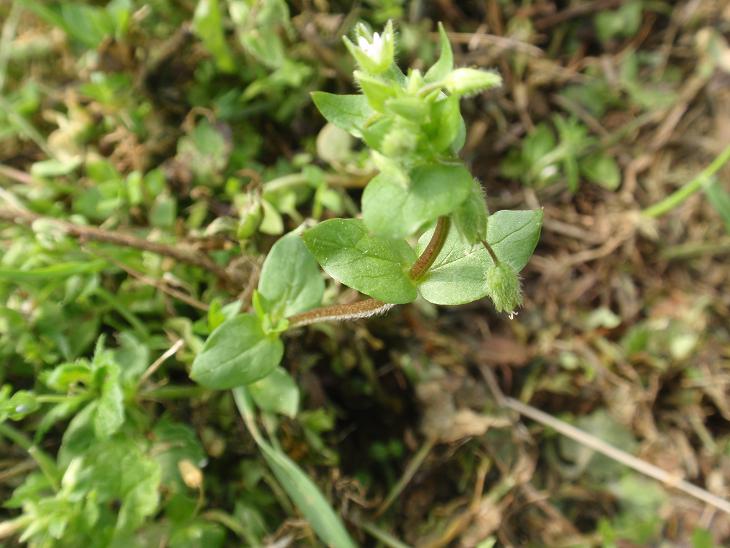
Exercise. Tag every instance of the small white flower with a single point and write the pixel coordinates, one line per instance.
(374, 48)
(374, 51)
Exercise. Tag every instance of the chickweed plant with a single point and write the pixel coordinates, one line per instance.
(425, 229)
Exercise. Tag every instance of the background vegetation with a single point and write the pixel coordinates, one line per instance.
(152, 152)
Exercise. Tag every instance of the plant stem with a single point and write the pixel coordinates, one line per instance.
(296, 179)
(491, 252)
(338, 312)
(424, 262)
(172, 392)
(372, 307)
(45, 463)
(178, 252)
(685, 191)
(15, 436)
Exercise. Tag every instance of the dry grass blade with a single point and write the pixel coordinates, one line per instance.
(618, 455)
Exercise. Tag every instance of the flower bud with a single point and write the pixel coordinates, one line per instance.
(398, 142)
(468, 81)
(503, 287)
(373, 52)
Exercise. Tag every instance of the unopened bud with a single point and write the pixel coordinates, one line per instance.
(468, 81)
(399, 141)
(503, 287)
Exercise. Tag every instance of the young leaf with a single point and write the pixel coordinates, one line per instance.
(600, 168)
(441, 68)
(238, 352)
(109, 411)
(373, 265)
(208, 25)
(348, 112)
(513, 235)
(276, 393)
(396, 211)
(290, 279)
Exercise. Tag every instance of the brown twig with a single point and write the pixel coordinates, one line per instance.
(157, 284)
(575, 11)
(600, 446)
(92, 233)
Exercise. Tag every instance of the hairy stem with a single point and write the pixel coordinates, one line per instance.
(92, 233)
(424, 262)
(337, 312)
(491, 252)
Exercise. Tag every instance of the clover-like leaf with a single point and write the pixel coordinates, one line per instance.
(395, 210)
(237, 353)
(374, 265)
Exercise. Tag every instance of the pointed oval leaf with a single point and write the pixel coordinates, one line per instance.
(374, 265)
(395, 210)
(237, 353)
(441, 68)
(348, 112)
(276, 393)
(513, 235)
(459, 274)
(290, 278)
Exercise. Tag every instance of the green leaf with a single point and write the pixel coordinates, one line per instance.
(109, 410)
(513, 235)
(290, 278)
(602, 169)
(393, 209)
(174, 442)
(719, 199)
(622, 22)
(348, 112)
(276, 393)
(238, 352)
(441, 68)
(374, 265)
(537, 144)
(470, 218)
(446, 126)
(208, 25)
(302, 490)
(459, 274)
(21, 404)
(54, 168)
(119, 472)
(52, 272)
